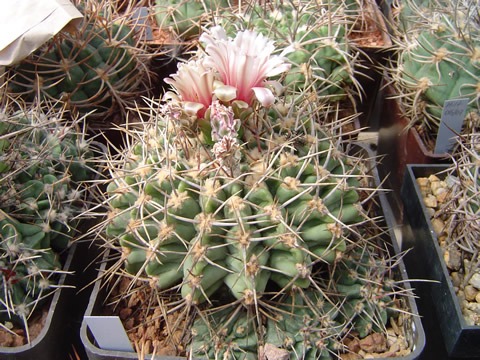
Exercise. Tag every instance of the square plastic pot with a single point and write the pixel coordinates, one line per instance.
(416, 333)
(51, 343)
(425, 260)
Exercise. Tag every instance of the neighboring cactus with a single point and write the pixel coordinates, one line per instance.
(439, 60)
(185, 18)
(100, 67)
(43, 163)
(451, 199)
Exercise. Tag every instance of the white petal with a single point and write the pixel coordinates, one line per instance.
(225, 92)
(192, 108)
(170, 95)
(276, 85)
(264, 95)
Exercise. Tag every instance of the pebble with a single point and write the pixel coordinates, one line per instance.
(475, 307)
(469, 317)
(438, 226)
(423, 185)
(475, 280)
(477, 298)
(438, 187)
(456, 279)
(453, 259)
(470, 293)
(461, 298)
(441, 197)
(430, 201)
(430, 212)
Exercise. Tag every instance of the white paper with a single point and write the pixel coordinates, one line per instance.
(27, 24)
(453, 115)
(109, 333)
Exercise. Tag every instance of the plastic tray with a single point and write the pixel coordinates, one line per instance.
(426, 261)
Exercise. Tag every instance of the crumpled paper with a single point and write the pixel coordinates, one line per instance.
(27, 24)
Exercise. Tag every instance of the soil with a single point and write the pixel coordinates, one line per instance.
(18, 337)
(151, 329)
(371, 31)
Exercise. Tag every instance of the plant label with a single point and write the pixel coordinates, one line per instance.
(451, 124)
(109, 333)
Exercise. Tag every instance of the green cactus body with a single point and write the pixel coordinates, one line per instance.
(185, 18)
(262, 228)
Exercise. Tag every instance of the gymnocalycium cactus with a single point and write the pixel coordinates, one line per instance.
(438, 61)
(99, 67)
(44, 163)
(227, 198)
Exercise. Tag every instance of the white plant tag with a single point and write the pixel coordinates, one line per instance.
(451, 124)
(109, 333)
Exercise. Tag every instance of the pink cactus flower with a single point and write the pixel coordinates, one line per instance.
(244, 63)
(193, 82)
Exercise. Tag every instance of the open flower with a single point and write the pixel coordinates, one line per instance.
(244, 63)
(194, 84)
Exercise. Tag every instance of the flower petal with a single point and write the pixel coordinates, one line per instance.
(225, 92)
(192, 108)
(264, 95)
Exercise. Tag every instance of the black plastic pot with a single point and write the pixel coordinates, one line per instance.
(51, 343)
(416, 338)
(425, 261)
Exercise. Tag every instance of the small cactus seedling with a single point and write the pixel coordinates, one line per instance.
(43, 164)
(100, 67)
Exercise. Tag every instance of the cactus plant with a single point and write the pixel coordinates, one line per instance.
(438, 61)
(225, 198)
(98, 68)
(43, 163)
